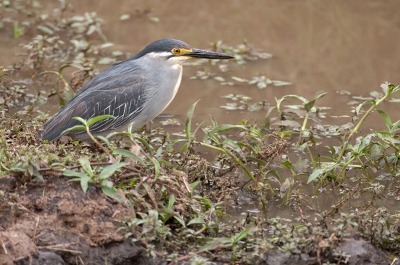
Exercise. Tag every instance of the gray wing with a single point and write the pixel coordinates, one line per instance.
(120, 92)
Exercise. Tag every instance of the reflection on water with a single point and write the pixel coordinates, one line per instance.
(317, 45)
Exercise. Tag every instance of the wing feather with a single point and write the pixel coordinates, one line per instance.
(119, 91)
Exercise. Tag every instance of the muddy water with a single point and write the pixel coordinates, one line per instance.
(317, 45)
(330, 46)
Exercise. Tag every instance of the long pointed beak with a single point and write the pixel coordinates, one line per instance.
(197, 53)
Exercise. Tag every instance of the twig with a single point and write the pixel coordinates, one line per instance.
(342, 201)
(72, 167)
(60, 247)
(4, 246)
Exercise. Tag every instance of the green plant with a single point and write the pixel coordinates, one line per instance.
(88, 175)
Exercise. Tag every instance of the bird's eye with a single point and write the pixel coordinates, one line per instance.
(176, 51)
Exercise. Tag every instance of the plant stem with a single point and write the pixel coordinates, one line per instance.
(237, 160)
(372, 108)
(304, 125)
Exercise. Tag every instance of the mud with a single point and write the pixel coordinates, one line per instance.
(54, 222)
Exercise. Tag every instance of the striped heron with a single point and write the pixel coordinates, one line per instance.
(134, 91)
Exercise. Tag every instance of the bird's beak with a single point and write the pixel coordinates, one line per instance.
(197, 53)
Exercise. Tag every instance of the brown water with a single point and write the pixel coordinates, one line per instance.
(317, 45)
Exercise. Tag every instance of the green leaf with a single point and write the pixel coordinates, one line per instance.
(145, 143)
(112, 193)
(171, 201)
(396, 124)
(279, 101)
(189, 116)
(109, 170)
(397, 88)
(180, 220)
(194, 185)
(316, 173)
(320, 94)
(241, 235)
(80, 120)
(167, 163)
(216, 243)
(287, 164)
(196, 221)
(73, 173)
(127, 153)
(93, 120)
(365, 141)
(386, 119)
(309, 105)
(84, 180)
(86, 166)
(103, 139)
(362, 104)
(258, 161)
(75, 128)
(157, 167)
(228, 143)
(53, 165)
(226, 127)
(213, 121)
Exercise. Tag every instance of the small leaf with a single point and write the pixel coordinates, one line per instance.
(397, 88)
(216, 243)
(309, 105)
(316, 174)
(194, 185)
(171, 201)
(258, 161)
(93, 120)
(73, 173)
(226, 127)
(320, 94)
(127, 153)
(189, 116)
(157, 168)
(112, 193)
(145, 143)
(197, 220)
(86, 166)
(80, 120)
(362, 104)
(180, 220)
(103, 139)
(386, 119)
(167, 163)
(75, 128)
(287, 164)
(241, 235)
(109, 170)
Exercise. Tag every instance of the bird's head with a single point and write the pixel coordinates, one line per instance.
(177, 52)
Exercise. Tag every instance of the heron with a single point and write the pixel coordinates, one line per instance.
(134, 91)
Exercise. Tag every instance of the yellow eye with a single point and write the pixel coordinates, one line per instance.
(176, 51)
